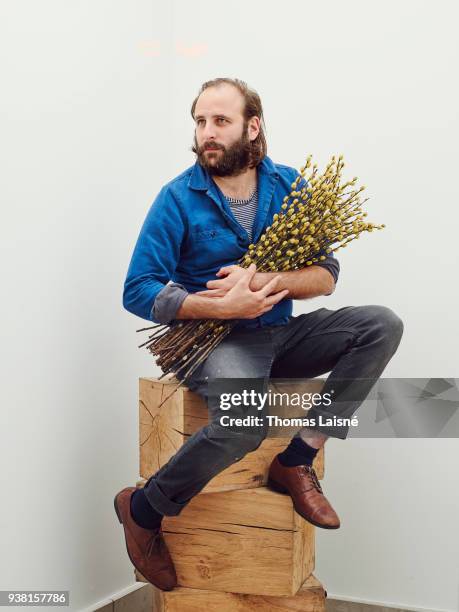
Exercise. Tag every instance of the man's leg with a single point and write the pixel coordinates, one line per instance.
(244, 355)
(206, 453)
(354, 344)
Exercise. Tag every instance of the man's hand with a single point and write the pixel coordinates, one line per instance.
(239, 302)
(305, 283)
(219, 288)
(242, 303)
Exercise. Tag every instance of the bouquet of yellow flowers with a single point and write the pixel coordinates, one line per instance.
(320, 215)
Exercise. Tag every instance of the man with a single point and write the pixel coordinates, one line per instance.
(195, 232)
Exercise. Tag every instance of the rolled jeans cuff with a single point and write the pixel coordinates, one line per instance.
(334, 431)
(160, 502)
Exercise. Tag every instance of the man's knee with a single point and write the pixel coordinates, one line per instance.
(384, 322)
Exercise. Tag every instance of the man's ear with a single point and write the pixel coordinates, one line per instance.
(254, 127)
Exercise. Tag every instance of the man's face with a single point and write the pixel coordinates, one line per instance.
(222, 140)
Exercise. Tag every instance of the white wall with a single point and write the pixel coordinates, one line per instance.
(96, 96)
(84, 148)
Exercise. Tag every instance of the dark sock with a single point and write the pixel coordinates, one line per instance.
(143, 512)
(297, 452)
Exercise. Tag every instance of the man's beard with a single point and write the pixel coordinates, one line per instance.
(231, 161)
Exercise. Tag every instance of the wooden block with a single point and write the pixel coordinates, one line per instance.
(163, 431)
(310, 598)
(243, 541)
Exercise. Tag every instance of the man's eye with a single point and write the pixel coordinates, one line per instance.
(218, 119)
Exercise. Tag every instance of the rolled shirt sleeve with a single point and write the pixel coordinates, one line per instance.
(331, 264)
(168, 302)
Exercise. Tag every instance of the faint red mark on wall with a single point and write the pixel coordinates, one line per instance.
(152, 48)
(191, 50)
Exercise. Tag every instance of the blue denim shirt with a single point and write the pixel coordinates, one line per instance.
(190, 232)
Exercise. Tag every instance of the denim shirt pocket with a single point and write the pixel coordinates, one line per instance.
(211, 248)
(218, 233)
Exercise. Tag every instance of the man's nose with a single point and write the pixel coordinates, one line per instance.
(209, 132)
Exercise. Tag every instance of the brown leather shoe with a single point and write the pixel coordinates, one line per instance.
(302, 484)
(146, 548)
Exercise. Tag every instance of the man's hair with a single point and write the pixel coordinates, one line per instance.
(252, 108)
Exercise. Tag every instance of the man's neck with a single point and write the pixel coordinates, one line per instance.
(240, 187)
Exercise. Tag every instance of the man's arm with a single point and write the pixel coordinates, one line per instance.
(198, 307)
(311, 281)
(305, 283)
(155, 255)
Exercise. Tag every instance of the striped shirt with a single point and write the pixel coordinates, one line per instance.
(245, 210)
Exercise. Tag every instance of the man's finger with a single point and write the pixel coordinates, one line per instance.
(262, 311)
(214, 284)
(225, 270)
(249, 274)
(210, 293)
(269, 287)
(276, 297)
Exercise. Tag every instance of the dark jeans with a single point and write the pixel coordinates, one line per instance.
(354, 342)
